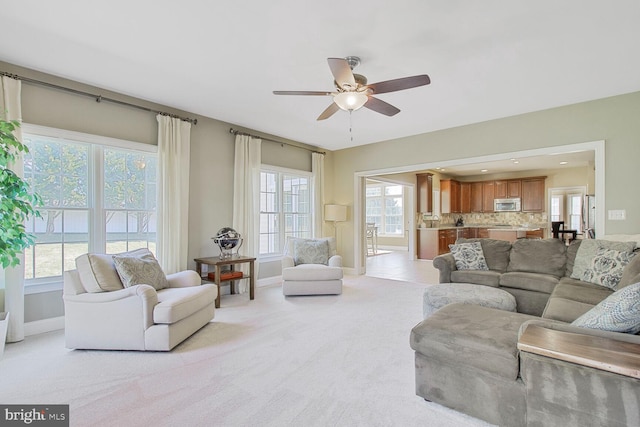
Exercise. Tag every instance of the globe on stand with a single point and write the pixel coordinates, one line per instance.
(227, 240)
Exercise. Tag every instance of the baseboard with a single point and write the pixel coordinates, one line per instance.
(267, 281)
(45, 325)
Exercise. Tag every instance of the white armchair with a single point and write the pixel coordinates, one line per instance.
(100, 313)
(311, 267)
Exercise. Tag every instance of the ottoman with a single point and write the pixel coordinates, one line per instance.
(438, 296)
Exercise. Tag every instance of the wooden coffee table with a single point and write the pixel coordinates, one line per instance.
(218, 263)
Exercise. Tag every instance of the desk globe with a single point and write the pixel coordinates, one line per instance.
(227, 240)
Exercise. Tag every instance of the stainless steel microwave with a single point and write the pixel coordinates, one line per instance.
(506, 205)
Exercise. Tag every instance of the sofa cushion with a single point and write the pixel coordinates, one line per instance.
(619, 312)
(496, 252)
(545, 256)
(175, 304)
(140, 268)
(572, 250)
(469, 256)
(97, 273)
(572, 298)
(308, 251)
(588, 249)
(529, 281)
(479, 277)
(291, 241)
(474, 336)
(311, 272)
(606, 267)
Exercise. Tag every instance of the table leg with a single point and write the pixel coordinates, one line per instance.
(218, 285)
(252, 281)
(232, 283)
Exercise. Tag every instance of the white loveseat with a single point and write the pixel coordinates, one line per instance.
(100, 313)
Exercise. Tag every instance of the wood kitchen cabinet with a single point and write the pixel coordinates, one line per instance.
(465, 197)
(488, 194)
(446, 238)
(483, 233)
(428, 243)
(425, 192)
(533, 192)
(449, 196)
(476, 197)
(507, 189)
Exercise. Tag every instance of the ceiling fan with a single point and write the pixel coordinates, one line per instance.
(353, 92)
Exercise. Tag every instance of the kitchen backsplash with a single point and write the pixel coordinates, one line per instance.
(539, 219)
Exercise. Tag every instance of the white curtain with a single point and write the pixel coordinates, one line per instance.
(246, 198)
(12, 278)
(174, 140)
(317, 167)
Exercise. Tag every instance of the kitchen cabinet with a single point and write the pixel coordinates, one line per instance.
(446, 238)
(535, 234)
(425, 192)
(488, 194)
(465, 197)
(449, 196)
(507, 189)
(533, 194)
(476, 197)
(483, 233)
(428, 243)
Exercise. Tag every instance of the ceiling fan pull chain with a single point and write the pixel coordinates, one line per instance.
(351, 124)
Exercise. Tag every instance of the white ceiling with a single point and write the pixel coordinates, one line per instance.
(486, 59)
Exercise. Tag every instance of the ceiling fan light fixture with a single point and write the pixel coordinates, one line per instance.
(350, 101)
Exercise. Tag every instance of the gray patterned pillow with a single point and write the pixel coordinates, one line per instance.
(588, 249)
(469, 256)
(311, 252)
(619, 312)
(606, 267)
(140, 269)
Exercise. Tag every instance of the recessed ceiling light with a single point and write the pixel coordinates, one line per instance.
(515, 162)
(512, 160)
(484, 170)
(563, 163)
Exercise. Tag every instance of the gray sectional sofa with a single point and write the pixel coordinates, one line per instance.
(467, 356)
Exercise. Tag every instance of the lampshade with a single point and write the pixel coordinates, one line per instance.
(350, 100)
(335, 213)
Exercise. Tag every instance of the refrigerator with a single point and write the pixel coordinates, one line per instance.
(589, 216)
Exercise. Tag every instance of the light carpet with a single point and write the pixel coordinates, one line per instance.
(297, 361)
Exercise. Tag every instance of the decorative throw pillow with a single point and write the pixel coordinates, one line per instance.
(141, 268)
(311, 252)
(587, 251)
(469, 256)
(97, 273)
(619, 312)
(606, 267)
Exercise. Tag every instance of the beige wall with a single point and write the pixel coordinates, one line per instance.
(212, 153)
(614, 120)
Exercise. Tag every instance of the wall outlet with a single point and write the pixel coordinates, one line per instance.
(617, 215)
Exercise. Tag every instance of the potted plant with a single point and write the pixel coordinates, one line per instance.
(17, 204)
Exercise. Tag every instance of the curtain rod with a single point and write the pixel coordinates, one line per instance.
(237, 132)
(98, 98)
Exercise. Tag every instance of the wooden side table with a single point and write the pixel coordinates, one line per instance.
(218, 263)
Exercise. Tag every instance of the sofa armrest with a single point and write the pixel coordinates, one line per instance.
(335, 261)
(136, 302)
(287, 261)
(567, 327)
(446, 264)
(184, 279)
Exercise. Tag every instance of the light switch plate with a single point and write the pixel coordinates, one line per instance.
(617, 215)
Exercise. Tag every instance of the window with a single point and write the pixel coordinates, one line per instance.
(385, 208)
(285, 208)
(556, 207)
(574, 202)
(98, 196)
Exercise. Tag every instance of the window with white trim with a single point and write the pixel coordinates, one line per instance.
(385, 208)
(285, 208)
(99, 195)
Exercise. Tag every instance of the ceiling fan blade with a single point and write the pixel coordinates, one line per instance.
(330, 111)
(400, 84)
(381, 107)
(300, 92)
(342, 73)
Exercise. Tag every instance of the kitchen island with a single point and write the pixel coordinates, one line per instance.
(435, 241)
